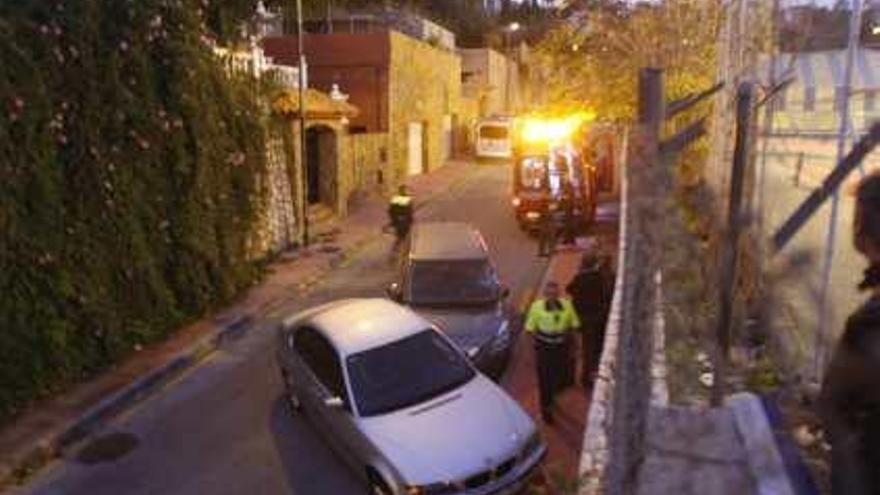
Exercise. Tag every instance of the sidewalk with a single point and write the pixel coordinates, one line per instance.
(47, 428)
(564, 438)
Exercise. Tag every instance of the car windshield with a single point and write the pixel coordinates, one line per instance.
(452, 282)
(405, 373)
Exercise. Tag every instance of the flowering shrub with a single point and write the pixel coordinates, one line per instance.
(129, 184)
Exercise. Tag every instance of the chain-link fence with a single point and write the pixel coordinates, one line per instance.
(652, 224)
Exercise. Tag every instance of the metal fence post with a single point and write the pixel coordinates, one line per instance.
(823, 335)
(730, 249)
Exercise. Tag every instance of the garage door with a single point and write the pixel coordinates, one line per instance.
(415, 153)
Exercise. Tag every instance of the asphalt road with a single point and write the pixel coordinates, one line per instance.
(222, 428)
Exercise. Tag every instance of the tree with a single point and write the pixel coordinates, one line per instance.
(595, 61)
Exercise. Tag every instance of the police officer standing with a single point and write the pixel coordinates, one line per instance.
(549, 321)
(400, 214)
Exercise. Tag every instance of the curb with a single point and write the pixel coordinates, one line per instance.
(96, 417)
(799, 474)
(54, 444)
(765, 461)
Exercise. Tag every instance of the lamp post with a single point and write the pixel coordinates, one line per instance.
(508, 31)
(304, 169)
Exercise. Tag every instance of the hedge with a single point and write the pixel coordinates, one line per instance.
(130, 172)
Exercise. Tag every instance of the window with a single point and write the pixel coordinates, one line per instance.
(452, 282)
(321, 358)
(493, 132)
(407, 372)
(533, 172)
(809, 99)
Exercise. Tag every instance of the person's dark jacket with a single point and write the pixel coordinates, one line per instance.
(400, 211)
(850, 400)
(591, 292)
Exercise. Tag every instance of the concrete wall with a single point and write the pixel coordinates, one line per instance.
(488, 80)
(425, 85)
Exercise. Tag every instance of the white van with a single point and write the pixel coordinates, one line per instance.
(495, 138)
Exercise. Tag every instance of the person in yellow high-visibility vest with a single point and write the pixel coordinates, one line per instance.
(550, 320)
(400, 213)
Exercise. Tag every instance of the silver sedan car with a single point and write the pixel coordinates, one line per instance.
(401, 404)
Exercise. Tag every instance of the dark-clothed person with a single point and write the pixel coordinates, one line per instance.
(547, 230)
(400, 213)
(591, 290)
(569, 231)
(850, 398)
(549, 321)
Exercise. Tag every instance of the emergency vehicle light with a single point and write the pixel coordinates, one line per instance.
(553, 130)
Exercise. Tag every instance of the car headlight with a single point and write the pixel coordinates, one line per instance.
(432, 489)
(532, 445)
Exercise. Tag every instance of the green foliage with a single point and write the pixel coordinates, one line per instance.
(129, 184)
(596, 61)
(764, 377)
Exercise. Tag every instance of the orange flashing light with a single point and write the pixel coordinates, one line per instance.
(537, 130)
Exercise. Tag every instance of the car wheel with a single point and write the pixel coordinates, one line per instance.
(290, 396)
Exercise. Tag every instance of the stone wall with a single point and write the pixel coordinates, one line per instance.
(363, 164)
(424, 86)
(278, 218)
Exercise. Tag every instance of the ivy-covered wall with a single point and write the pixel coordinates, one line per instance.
(130, 172)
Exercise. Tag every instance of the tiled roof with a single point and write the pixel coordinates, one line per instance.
(318, 105)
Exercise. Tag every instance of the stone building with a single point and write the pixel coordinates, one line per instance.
(408, 93)
(488, 77)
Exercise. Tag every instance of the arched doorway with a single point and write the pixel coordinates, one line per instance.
(321, 165)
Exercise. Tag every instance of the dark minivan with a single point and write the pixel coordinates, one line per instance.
(446, 275)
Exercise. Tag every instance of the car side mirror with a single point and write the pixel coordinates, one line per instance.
(395, 293)
(334, 402)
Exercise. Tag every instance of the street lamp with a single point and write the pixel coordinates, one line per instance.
(508, 31)
(304, 169)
